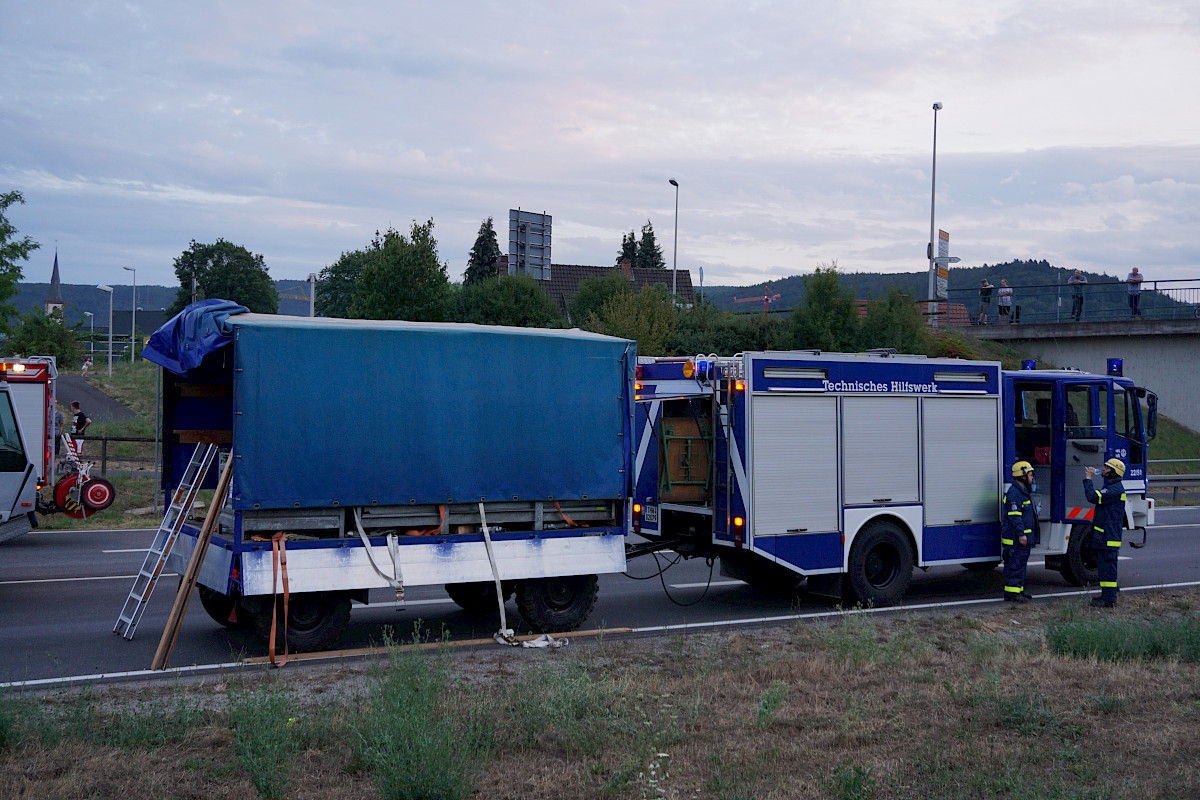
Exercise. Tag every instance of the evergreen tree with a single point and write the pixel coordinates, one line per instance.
(402, 278)
(481, 263)
(629, 249)
(227, 271)
(649, 254)
(828, 317)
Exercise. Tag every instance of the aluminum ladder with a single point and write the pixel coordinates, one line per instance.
(156, 557)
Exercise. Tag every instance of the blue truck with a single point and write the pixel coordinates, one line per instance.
(847, 471)
(382, 448)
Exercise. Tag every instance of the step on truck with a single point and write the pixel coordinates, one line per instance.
(846, 471)
(382, 449)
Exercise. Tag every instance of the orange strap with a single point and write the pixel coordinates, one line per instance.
(563, 514)
(278, 561)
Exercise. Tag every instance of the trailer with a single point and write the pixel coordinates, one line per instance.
(847, 471)
(393, 454)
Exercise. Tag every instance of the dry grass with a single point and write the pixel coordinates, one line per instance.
(964, 705)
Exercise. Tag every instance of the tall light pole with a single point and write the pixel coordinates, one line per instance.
(91, 330)
(932, 230)
(675, 249)
(312, 294)
(132, 314)
(109, 291)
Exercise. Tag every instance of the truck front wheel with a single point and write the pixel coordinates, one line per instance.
(881, 564)
(553, 605)
(315, 620)
(1079, 566)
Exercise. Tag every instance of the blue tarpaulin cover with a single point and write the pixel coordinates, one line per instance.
(354, 412)
(186, 338)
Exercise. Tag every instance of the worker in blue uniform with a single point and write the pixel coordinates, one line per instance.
(1107, 524)
(1020, 531)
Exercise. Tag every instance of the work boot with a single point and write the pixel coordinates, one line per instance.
(1100, 602)
(1016, 597)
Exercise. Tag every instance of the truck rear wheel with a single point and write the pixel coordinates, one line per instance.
(315, 620)
(1079, 566)
(553, 605)
(881, 564)
(221, 608)
(478, 597)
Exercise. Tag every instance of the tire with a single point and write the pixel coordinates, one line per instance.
(98, 494)
(478, 597)
(315, 619)
(1079, 566)
(554, 605)
(222, 606)
(981, 566)
(881, 565)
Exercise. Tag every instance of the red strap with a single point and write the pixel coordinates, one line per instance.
(278, 559)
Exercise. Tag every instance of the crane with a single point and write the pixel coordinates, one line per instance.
(767, 298)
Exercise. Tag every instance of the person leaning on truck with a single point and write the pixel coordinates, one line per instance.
(1107, 524)
(1020, 532)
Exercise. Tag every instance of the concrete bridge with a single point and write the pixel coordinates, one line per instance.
(1162, 355)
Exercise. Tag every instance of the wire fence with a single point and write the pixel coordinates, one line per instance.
(1056, 303)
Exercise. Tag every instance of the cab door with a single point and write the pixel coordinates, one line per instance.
(1086, 411)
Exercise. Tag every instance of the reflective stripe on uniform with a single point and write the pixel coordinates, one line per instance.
(1014, 513)
(1006, 541)
(1018, 588)
(1114, 544)
(1108, 584)
(1098, 529)
(1122, 497)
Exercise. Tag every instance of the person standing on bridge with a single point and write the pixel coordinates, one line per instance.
(1134, 279)
(1077, 282)
(985, 301)
(1020, 532)
(1006, 300)
(1107, 524)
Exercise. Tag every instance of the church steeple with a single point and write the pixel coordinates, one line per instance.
(54, 301)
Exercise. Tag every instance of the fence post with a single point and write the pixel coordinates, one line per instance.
(104, 456)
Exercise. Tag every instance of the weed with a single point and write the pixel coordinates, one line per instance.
(850, 782)
(769, 702)
(414, 740)
(264, 737)
(852, 641)
(573, 710)
(1107, 703)
(1119, 640)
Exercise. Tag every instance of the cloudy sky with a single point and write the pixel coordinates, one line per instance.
(800, 132)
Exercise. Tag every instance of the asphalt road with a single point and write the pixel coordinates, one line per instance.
(61, 591)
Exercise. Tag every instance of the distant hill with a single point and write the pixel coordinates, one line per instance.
(1036, 284)
(293, 299)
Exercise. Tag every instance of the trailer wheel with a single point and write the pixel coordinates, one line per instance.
(315, 619)
(881, 564)
(981, 566)
(553, 605)
(478, 597)
(1079, 565)
(222, 606)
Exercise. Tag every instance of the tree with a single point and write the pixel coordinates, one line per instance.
(12, 250)
(647, 317)
(402, 278)
(481, 263)
(515, 300)
(895, 321)
(227, 271)
(629, 249)
(649, 254)
(593, 293)
(828, 317)
(40, 335)
(338, 283)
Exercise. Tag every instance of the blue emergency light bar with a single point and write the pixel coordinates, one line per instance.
(1116, 366)
(1029, 363)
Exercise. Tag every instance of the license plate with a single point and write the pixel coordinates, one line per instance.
(650, 514)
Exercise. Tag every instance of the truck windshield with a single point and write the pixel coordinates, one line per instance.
(12, 452)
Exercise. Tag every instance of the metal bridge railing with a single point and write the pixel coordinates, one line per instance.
(1102, 301)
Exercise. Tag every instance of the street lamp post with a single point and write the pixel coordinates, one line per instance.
(91, 330)
(312, 294)
(109, 291)
(675, 248)
(933, 231)
(132, 314)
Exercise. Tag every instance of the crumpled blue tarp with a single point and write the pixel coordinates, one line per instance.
(183, 342)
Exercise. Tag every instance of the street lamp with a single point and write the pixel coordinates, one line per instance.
(312, 294)
(132, 314)
(91, 318)
(675, 251)
(932, 230)
(109, 291)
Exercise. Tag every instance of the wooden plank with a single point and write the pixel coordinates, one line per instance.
(204, 437)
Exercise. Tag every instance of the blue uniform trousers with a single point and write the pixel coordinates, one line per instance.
(1106, 564)
(1015, 559)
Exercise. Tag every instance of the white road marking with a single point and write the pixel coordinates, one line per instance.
(94, 578)
(706, 583)
(438, 602)
(130, 550)
(1160, 527)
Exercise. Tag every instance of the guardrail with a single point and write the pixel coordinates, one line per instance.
(1174, 482)
(1102, 301)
